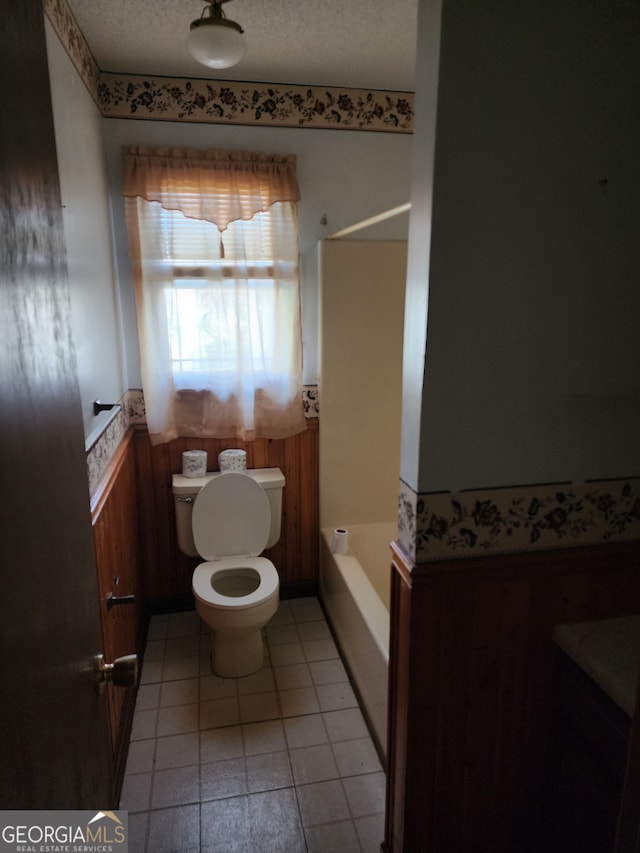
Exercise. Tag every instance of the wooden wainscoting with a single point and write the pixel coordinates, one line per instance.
(471, 674)
(115, 517)
(167, 572)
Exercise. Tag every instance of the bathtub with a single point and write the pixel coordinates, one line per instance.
(355, 591)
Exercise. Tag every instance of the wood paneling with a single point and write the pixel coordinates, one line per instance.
(471, 668)
(115, 517)
(166, 572)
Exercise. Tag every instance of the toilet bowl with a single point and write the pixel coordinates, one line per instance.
(236, 602)
(236, 591)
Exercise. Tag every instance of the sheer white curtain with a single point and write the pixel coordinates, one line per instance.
(214, 246)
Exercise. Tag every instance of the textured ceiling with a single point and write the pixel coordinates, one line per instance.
(367, 44)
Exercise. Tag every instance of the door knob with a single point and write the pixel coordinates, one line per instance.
(123, 672)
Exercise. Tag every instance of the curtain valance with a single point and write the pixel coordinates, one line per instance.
(218, 323)
(215, 186)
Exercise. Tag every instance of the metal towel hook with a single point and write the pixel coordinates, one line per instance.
(104, 407)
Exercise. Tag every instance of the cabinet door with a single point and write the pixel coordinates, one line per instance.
(587, 762)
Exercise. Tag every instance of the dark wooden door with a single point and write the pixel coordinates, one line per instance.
(53, 725)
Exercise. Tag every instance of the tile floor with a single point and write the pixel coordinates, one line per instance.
(277, 761)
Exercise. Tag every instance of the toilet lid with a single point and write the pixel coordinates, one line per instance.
(231, 516)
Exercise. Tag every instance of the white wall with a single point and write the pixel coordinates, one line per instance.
(362, 309)
(344, 176)
(532, 369)
(94, 303)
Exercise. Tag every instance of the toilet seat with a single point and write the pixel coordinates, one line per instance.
(203, 575)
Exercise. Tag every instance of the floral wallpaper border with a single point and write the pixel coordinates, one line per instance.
(311, 401)
(524, 518)
(102, 451)
(133, 412)
(61, 18)
(271, 104)
(228, 102)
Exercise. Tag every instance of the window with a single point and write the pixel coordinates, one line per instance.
(215, 256)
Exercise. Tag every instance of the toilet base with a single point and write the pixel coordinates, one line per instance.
(236, 655)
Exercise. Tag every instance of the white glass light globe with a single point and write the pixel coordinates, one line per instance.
(216, 44)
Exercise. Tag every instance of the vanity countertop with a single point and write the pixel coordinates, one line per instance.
(608, 650)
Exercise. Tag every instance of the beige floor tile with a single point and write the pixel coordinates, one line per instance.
(328, 671)
(280, 634)
(263, 737)
(219, 712)
(347, 724)
(151, 671)
(144, 725)
(313, 764)
(322, 802)
(136, 793)
(292, 676)
(268, 772)
(287, 654)
(178, 720)
(184, 624)
(370, 832)
(258, 682)
(258, 707)
(214, 687)
(319, 650)
(302, 700)
(357, 756)
(177, 751)
(336, 837)
(308, 730)
(148, 696)
(141, 756)
(183, 692)
(365, 794)
(175, 829)
(176, 668)
(222, 779)
(284, 616)
(334, 697)
(221, 743)
(175, 787)
(314, 631)
(305, 610)
(182, 647)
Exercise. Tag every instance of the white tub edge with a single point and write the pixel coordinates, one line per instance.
(373, 611)
(360, 623)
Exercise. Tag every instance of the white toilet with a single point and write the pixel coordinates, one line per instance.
(229, 519)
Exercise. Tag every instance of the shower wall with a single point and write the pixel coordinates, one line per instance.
(362, 286)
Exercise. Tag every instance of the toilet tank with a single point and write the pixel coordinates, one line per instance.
(185, 490)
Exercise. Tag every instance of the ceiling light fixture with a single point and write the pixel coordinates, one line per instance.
(214, 40)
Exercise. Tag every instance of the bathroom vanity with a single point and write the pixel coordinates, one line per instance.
(595, 684)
